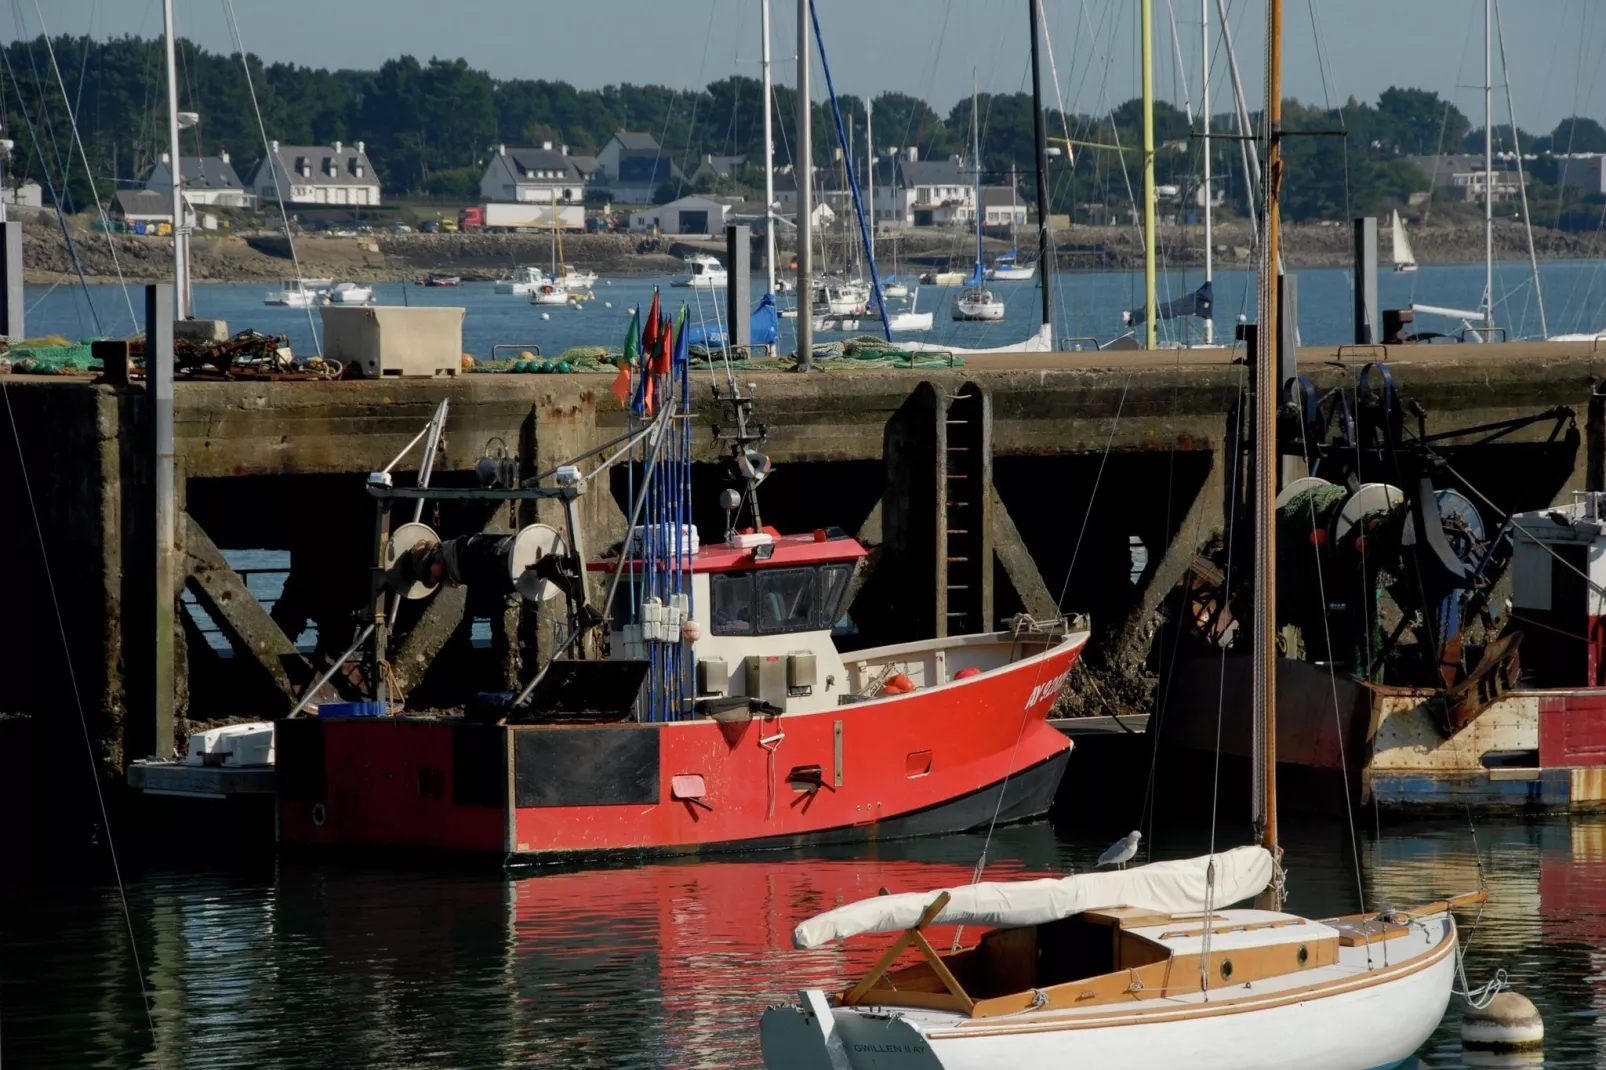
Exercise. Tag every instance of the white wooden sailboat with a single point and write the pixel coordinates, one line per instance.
(1404, 258)
(1007, 266)
(1151, 967)
(1134, 969)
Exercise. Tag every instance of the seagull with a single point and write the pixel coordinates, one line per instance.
(1121, 851)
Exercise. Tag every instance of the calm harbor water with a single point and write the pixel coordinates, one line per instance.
(317, 963)
(1088, 305)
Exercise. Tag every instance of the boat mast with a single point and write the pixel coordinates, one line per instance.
(975, 157)
(869, 179)
(1039, 134)
(1522, 183)
(803, 170)
(1150, 289)
(1204, 110)
(769, 160)
(1488, 167)
(183, 307)
(1265, 617)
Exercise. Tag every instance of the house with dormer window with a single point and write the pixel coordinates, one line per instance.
(335, 174)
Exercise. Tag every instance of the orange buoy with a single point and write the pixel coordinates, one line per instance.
(967, 673)
(898, 685)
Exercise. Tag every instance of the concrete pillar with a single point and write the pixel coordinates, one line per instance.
(11, 299)
(739, 289)
(164, 518)
(1366, 322)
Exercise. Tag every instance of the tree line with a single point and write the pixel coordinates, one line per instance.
(430, 127)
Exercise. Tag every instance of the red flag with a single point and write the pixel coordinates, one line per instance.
(666, 345)
(621, 386)
(649, 334)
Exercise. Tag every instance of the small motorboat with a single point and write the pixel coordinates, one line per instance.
(520, 282)
(703, 272)
(298, 293)
(443, 280)
(575, 280)
(979, 306)
(550, 292)
(349, 293)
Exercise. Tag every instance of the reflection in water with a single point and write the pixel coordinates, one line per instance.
(317, 963)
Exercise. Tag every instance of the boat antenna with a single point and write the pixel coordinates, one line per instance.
(1150, 284)
(1045, 231)
(1264, 641)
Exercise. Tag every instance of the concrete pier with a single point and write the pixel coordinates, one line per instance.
(1016, 442)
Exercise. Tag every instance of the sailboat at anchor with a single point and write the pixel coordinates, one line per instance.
(1404, 258)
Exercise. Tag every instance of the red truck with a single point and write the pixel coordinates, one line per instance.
(470, 218)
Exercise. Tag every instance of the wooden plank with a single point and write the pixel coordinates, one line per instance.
(940, 968)
(890, 956)
(244, 621)
(1017, 561)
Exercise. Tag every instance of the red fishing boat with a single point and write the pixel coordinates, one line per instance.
(708, 708)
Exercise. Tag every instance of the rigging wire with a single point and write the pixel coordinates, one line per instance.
(77, 139)
(272, 157)
(83, 720)
(56, 197)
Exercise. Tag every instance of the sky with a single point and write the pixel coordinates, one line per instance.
(1334, 49)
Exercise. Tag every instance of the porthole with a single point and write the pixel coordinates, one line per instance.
(318, 814)
(1304, 954)
(1226, 969)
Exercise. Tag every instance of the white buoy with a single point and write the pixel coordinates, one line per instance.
(1510, 1023)
(607, 304)
(546, 315)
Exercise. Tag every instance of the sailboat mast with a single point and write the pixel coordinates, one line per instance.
(1265, 617)
(869, 175)
(183, 306)
(1150, 289)
(769, 159)
(1488, 166)
(975, 158)
(803, 171)
(1204, 110)
(1039, 135)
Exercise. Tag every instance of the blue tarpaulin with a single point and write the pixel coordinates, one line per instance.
(766, 326)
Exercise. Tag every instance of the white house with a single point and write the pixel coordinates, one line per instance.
(823, 214)
(999, 209)
(27, 195)
(530, 175)
(695, 216)
(208, 180)
(633, 166)
(1465, 172)
(317, 174)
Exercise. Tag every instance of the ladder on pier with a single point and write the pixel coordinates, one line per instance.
(964, 549)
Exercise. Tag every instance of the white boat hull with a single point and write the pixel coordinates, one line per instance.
(700, 282)
(1015, 274)
(1365, 1018)
(517, 289)
(895, 291)
(983, 313)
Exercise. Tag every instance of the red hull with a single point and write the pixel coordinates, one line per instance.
(926, 762)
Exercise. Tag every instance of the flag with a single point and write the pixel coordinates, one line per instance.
(621, 384)
(651, 329)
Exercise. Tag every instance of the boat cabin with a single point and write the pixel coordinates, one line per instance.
(764, 606)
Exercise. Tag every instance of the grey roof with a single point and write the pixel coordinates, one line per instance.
(207, 172)
(636, 142)
(999, 196)
(346, 162)
(1459, 163)
(586, 165)
(527, 165)
(934, 173)
(143, 202)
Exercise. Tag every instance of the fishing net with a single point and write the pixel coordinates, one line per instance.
(50, 355)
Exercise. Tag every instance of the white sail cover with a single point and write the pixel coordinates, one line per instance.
(1040, 342)
(1178, 887)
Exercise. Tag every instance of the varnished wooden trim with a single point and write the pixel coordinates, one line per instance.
(1246, 927)
(869, 981)
(977, 1027)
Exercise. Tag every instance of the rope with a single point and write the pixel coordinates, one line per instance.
(83, 720)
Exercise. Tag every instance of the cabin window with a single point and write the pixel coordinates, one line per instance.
(787, 599)
(833, 585)
(732, 596)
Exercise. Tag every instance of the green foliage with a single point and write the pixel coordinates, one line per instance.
(429, 127)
